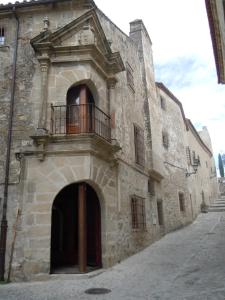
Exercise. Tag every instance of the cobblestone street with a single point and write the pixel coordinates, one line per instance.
(186, 264)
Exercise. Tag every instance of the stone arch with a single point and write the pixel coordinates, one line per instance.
(95, 224)
(67, 77)
(91, 85)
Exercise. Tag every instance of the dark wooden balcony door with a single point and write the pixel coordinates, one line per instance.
(80, 110)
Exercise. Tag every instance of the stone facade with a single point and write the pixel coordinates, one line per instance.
(216, 12)
(77, 45)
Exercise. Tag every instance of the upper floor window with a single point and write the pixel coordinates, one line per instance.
(130, 76)
(163, 103)
(139, 145)
(160, 212)
(138, 213)
(151, 187)
(2, 35)
(181, 202)
(188, 154)
(165, 139)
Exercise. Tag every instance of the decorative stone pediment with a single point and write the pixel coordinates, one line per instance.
(82, 40)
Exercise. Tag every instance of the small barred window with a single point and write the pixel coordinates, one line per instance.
(138, 213)
(188, 154)
(139, 145)
(160, 212)
(151, 187)
(163, 103)
(130, 77)
(165, 140)
(181, 202)
(2, 35)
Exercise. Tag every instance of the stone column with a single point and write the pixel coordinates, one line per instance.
(42, 124)
(111, 83)
(82, 228)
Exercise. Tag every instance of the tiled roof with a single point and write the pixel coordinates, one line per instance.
(25, 3)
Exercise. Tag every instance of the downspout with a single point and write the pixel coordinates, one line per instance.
(4, 223)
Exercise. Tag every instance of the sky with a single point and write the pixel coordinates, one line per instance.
(183, 56)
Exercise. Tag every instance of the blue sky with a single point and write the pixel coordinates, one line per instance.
(183, 55)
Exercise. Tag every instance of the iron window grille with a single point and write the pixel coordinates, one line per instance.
(181, 202)
(188, 154)
(139, 145)
(163, 103)
(130, 77)
(160, 212)
(138, 213)
(165, 140)
(2, 35)
(151, 187)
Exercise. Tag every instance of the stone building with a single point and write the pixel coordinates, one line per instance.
(100, 162)
(216, 17)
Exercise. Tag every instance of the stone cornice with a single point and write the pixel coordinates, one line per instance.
(198, 138)
(80, 144)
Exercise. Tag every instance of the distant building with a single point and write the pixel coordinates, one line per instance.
(103, 161)
(216, 17)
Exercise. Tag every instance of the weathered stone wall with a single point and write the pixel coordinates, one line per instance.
(203, 184)
(114, 181)
(174, 160)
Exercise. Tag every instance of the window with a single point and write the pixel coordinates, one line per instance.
(206, 164)
(163, 103)
(181, 202)
(139, 145)
(160, 212)
(130, 76)
(165, 140)
(188, 154)
(151, 187)
(138, 213)
(2, 36)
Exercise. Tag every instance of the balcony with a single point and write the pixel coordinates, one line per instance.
(80, 119)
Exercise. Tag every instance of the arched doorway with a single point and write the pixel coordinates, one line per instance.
(76, 230)
(80, 110)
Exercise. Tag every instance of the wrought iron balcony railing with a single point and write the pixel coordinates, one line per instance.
(78, 119)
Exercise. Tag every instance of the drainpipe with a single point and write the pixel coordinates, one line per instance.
(4, 223)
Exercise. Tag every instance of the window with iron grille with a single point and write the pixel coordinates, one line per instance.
(130, 76)
(181, 201)
(138, 213)
(165, 139)
(151, 187)
(163, 103)
(139, 145)
(160, 212)
(193, 157)
(2, 35)
(188, 154)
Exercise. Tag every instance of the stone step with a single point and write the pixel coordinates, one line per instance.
(216, 209)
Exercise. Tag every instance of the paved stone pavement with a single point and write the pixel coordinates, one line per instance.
(185, 264)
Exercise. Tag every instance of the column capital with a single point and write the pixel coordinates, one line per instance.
(44, 62)
(111, 82)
